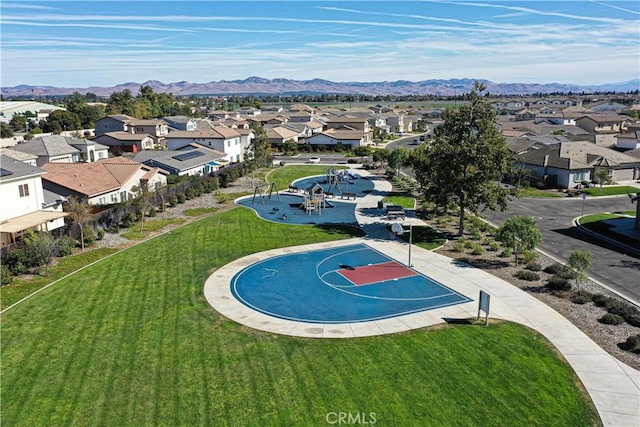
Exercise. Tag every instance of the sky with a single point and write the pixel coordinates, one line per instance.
(79, 44)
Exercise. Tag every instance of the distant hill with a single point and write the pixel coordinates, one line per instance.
(261, 86)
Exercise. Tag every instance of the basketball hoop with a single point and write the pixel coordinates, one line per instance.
(397, 229)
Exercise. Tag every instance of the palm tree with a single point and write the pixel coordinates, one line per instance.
(79, 213)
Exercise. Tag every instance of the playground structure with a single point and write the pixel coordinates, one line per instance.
(337, 179)
(314, 199)
(269, 189)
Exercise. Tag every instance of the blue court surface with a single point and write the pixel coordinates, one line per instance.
(347, 284)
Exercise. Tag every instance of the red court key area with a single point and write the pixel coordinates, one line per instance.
(369, 274)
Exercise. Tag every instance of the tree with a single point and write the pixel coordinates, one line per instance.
(362, 151)
(603, 177)
(466, 160)
(44, 246)
(580, 261)
(258, 153)
(143, 200)
(79, 213)
(5, 131)
(520, 234)
(398, 158)
(60, 120)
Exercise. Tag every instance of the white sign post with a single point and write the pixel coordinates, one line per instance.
(483, 305)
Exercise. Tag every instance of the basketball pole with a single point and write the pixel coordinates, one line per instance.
(410, 242)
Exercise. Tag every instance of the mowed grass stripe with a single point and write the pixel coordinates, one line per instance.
(132, 341)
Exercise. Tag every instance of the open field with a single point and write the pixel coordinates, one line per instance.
(131, 341)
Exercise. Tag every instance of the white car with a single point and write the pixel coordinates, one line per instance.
(315, 160)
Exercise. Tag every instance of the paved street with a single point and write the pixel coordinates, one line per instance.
(612, 266)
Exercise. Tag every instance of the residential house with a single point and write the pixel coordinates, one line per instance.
(90, 150)
(125, 142)
(344, 136)
(248, 111)
(24, 202)
(193, 159)
(279, 134)
(602, 127)
(395, 121)
(181, 123)
(228, 141)
(524, 115)
(570, 163)
(114, 123)
(52, 148)
(302, 108)
(607, 107)
(628, 141)
(348, 123)
(157, 128)
(102, 182)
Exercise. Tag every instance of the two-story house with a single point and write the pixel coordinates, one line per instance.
(228, 141)
(25, 205)
(602, 127)
(193, 159)
(62, 149)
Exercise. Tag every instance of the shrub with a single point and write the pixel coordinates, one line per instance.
(529, 257)
(66, 245)
(476, 233)
(558, 283)
(173, 201)
(632, 344)
(89, 236)
(152, 212)
(566, 273)
(469, 244)
(602, 300)
(5, 275)
(527, 275)
(458, 247)
(553, 268)
(494, 246)
(100, 233)
(533, 266)
(581, 297)
(181, 198)
(622, 309)
(633, 320)
(611, 319)
(477, 249)
(129, 220)
(506, 253)
(20, 260)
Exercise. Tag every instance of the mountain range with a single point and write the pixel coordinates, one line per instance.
(262, 86)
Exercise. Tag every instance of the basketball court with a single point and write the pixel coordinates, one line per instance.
(347, 284)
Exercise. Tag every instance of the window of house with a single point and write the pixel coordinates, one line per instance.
(101, 200)
(24, 190)
(114, 198)
(123, 196)
(228, 143)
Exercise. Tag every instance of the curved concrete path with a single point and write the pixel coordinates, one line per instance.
(613, 386)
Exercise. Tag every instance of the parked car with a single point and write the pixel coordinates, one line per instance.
(415, 142)
(422, 137)
(315, 160)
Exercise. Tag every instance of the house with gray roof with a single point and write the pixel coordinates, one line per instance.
(192, 159)
(181, 123)
(51, 149)
(570, 163)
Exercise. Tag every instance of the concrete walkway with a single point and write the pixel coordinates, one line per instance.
(613, 386)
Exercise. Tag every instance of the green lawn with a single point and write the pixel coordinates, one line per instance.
(594, 222)
(534, 192)
(610, 191)
(199, 211)
(407, 202)
(149, 226)
(131, 341)
(284, 176)
(424, 236)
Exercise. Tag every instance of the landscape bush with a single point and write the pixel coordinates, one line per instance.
(6, 276)
(527, 275)
(20, 260)
(173, 202)
(558, 283)
(506, 253)
(66, 244)
(611, 319)
(494, 246)
(622, 309)
(100, 233)
(632, 344)
(553, 268)
(458, 247)
(181, 198)
(477, 249)
(634, 320)
(529, 257)
(581, 297)
(89, 236)
(602, 300)
(152, 212)
(533, 266)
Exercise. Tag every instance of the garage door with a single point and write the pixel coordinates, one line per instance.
(623, 174)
